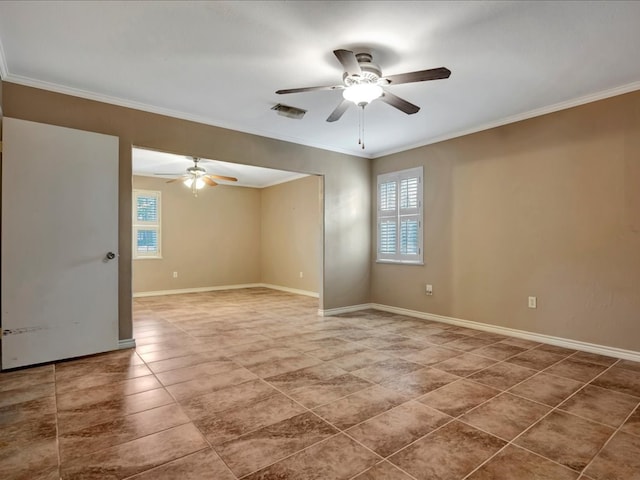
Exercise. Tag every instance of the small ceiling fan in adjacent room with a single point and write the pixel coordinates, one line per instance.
(197, 177)
(362, 83)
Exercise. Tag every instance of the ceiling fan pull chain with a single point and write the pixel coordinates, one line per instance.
(359, 129)
(363, 126)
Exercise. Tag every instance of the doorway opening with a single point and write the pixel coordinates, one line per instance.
(265, 230)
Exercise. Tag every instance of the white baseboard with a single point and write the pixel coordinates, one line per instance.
(290, 290)
(509, 332)
(181, 291)
(340, 310)
(126, 343)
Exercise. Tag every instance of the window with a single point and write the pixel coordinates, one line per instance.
(400, 217)
(146, 224)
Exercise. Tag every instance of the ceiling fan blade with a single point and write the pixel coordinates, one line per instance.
(339, 111)
(222, 177)
(181, 177)
(348, 61)
(399, 103)
(419, 76)
(309, 89)
(208, 181)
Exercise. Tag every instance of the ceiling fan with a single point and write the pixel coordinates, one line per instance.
(197, 177)
(362, 83)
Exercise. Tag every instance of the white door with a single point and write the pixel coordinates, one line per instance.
(59, 223)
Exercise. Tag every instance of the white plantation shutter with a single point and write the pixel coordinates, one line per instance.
(400, 216)
(146, 224)
(388, 237)
(409, 193)
(147, 207)
(388, 197)
(409, 236)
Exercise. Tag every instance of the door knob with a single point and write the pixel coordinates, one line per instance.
(111, 256)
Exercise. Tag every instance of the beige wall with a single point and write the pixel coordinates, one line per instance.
(346, 194)
(548, 207)
(210, 240)
(235, 235)
(291, 232)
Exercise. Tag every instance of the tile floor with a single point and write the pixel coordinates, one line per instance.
(252, 384)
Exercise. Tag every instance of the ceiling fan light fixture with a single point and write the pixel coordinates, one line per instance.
(199, 182)
(363, 93)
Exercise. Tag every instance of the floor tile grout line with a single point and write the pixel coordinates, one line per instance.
(212, 447)
(165, 463)
(163, 430)
(553, 410)
(510, 442)
(138, 437)
(558, 405)
(458, 417)
(635, 410)
(336, 399)
(354, 477)
(497, 362)
(338, 431)
(590, 419)
(395, 407)
(308, 410)
(324, 440)
(616, 431)
(93, 452)
(440, 427)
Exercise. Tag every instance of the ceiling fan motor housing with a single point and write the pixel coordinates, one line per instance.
(196, 170)
(371, 72)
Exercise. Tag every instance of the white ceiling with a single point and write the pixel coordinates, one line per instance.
(220, 62)
(149, 163)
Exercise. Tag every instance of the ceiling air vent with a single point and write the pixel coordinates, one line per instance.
(287, 111)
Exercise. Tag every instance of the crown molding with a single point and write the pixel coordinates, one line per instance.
(76, 92)
(121, 102)
(576, 102)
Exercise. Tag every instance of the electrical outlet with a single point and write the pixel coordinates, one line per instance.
(175, 274)
(533, 302)
(301, 275)
(428, 289)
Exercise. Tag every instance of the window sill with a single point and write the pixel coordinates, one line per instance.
(398, 262)
(147, 258)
